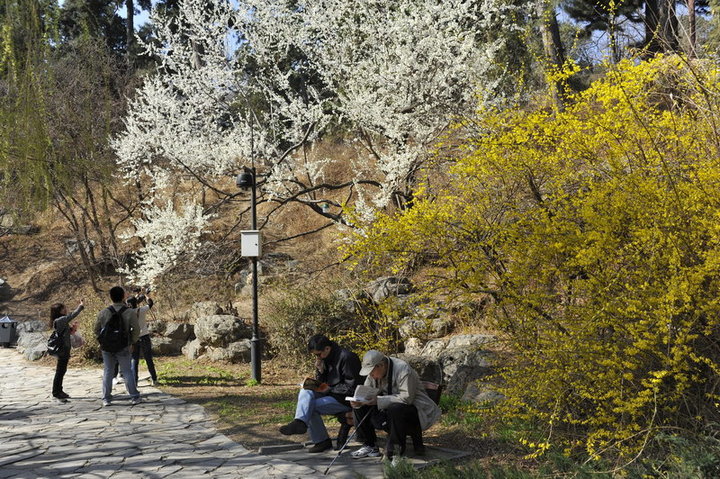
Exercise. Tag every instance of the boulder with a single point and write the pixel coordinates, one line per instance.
(163, 346)
(462, 366)
(202, 308)
(413, 347)
(219, 330)
(470, 341)
(193, 350)
(180, 331)
(238, 351)
(32, 345)
(385, 287)
(433, 348)
(481, 393)
(427, 369)
(423, 328)
(31, 326)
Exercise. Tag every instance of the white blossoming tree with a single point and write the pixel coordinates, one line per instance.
(271, 79)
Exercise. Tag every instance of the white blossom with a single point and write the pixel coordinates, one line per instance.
(261, 76)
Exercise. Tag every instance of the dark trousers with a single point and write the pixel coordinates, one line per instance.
(60, 370)
(398, 420)
(145, 345)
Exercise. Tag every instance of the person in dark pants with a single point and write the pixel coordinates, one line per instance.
(60, 321)
(337, 370)
(401, 407)
(143, 344)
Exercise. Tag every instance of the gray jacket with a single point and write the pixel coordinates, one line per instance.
(62, 325)
(407, 389)
(130, 321)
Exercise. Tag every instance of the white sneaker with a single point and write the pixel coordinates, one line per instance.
(396, 460)
(366, 451)
(106, 403)
(135, 401)
(152, 382)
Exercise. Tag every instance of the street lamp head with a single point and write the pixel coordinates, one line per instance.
(245, 180)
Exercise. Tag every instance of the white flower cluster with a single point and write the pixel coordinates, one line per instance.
(168, 235)
(391, 73)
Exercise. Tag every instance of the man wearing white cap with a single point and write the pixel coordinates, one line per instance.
(401, 408)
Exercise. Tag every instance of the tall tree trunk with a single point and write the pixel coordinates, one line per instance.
(692, 27)
(661, 26)
(552, 44)
(130, 32)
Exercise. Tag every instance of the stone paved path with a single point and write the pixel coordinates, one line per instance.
(163, 436)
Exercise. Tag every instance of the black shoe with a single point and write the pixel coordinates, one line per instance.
(296, 426)
(60, 399)
(342, 435)
(63, 395)
(321, 446)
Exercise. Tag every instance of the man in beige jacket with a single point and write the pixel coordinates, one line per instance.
(401, 408)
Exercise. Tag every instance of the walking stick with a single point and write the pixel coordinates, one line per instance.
(348, 441)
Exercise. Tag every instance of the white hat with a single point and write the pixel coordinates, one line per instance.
(371, 359)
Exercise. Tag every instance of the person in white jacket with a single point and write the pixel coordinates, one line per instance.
(401, 408)
(143, 343)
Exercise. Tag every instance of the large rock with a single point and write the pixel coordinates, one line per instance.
(219, 330)
(201, 309)
(32, 325)
(413, 346)
(32, 345)
(423, 328)
(163, 346)
(461, 366)
(427, 369)
(470, 341)
(179, 331)
(235, 352)
(433, 348)
(193, 350)
(383, 288)
(481, 393)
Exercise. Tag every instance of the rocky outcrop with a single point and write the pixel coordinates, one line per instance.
(459, 361)
(32, 345)
(220, 330)
(385, 287)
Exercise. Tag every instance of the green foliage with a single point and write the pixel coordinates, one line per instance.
(594, 231)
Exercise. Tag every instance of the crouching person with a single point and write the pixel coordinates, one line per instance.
(337, 373)
(401, 407)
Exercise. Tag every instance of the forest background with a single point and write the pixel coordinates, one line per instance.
(547, 171)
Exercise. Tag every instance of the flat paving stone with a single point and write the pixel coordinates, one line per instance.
(163, 436)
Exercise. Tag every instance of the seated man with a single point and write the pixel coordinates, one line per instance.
(339, 370)
(401, 407)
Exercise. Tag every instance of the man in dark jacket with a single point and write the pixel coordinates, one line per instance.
(339, 370)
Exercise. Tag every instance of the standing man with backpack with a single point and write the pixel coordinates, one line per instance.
(116, 329)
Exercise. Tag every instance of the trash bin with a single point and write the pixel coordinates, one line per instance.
(8, 331)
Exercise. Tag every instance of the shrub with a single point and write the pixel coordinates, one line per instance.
(295, 313)
(595, 231)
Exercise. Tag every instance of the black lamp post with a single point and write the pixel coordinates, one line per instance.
(246, 180)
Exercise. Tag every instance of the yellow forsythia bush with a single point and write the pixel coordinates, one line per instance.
(596, 232)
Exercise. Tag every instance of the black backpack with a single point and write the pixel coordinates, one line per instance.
(55, 343)
(113, 336)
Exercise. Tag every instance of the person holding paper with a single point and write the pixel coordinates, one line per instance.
(337, 371)
(400, 408)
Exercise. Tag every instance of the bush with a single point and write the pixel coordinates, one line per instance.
(295, 313)
(595, 232)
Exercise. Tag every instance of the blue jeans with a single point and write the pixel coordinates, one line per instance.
(123, 359)
(311, 406)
